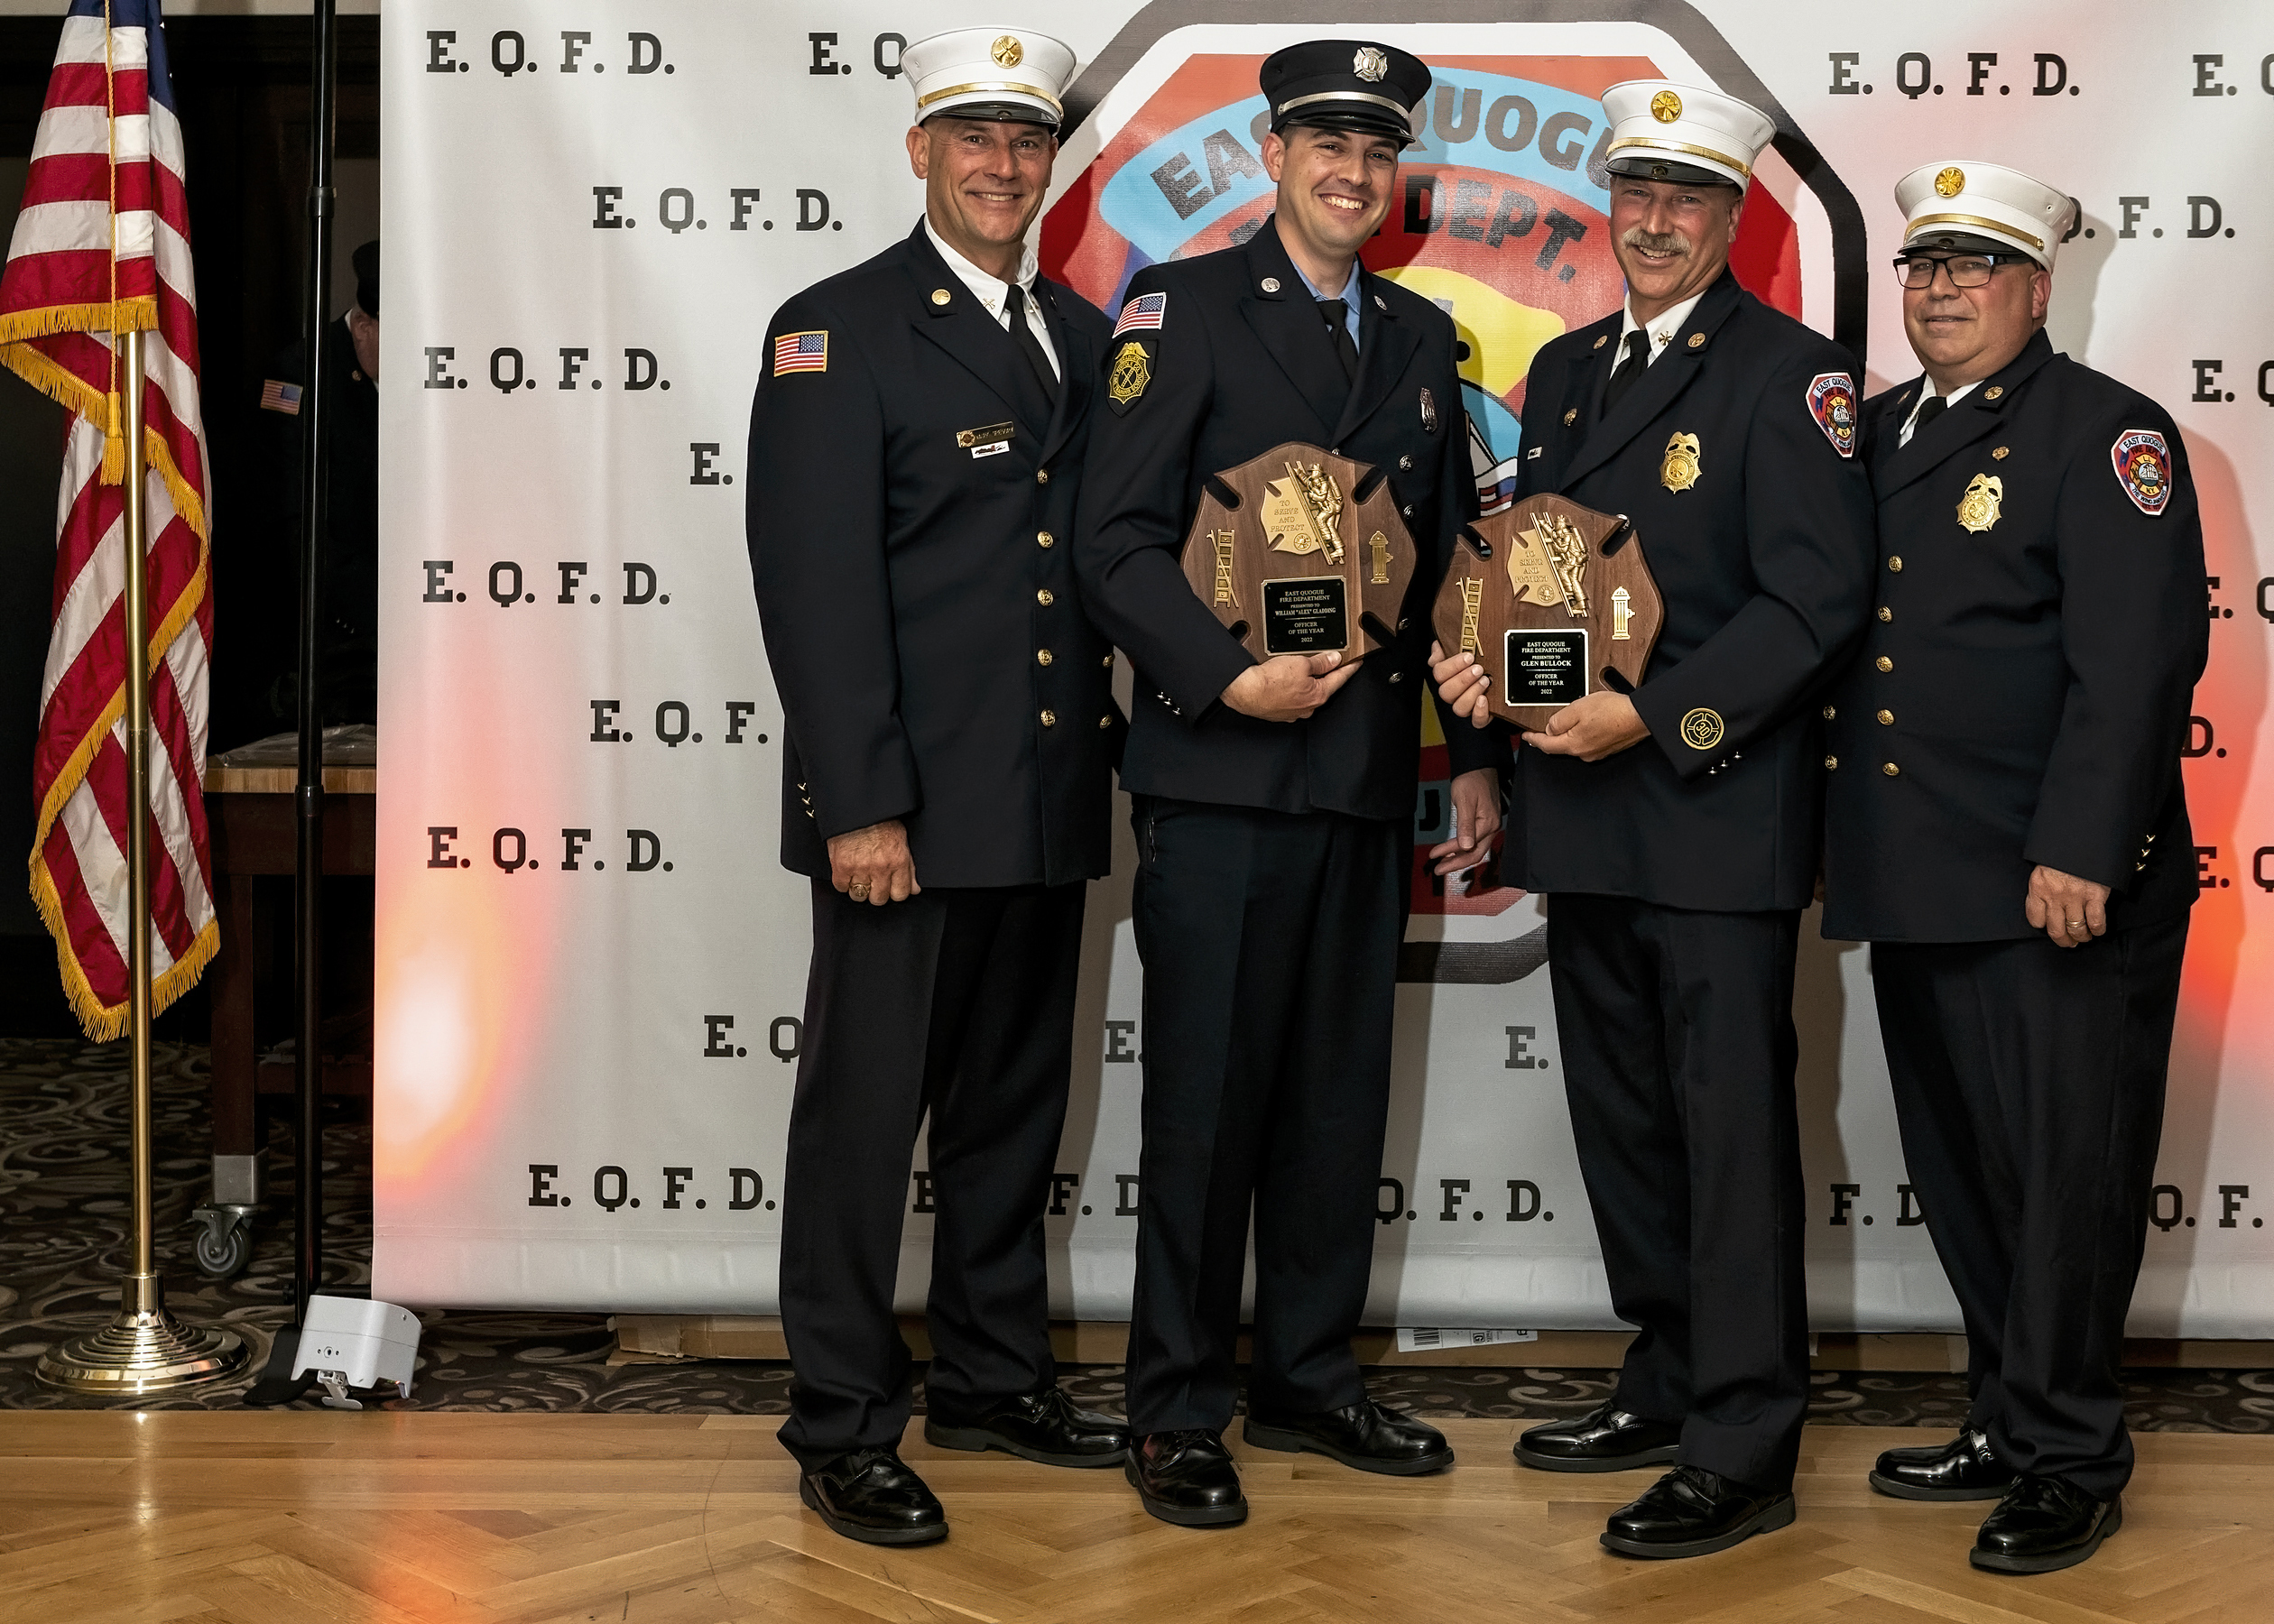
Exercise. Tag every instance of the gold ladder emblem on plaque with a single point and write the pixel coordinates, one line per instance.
(1225, 592)
(1472, 601)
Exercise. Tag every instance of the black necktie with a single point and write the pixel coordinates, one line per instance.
(1930, 409)
(1336, 313)
(1022, 331)
(1632, 361)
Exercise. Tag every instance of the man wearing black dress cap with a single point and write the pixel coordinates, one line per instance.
(1271, 799)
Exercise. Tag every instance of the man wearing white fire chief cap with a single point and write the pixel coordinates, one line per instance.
(2007, 828)
(1674, 827)
(915, 447)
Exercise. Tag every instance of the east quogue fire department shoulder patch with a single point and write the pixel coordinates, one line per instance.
(1832, 402)
(2143, 467)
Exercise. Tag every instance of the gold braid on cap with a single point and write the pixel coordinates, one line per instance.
(1652, 144)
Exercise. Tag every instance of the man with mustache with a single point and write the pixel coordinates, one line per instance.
(1675, 828)
(1272, 799)
(2008, 828)
(915, 448)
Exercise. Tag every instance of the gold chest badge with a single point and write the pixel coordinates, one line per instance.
(1681, 469)
(1132, 373)
(1978, 508)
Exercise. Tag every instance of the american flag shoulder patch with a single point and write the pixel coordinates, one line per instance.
(801, 352)
(1143, 311)
(279, 396)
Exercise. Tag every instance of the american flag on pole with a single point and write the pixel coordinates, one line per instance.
(101, 247)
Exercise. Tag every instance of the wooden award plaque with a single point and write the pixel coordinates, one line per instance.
(1554, 600)
(1301, 552)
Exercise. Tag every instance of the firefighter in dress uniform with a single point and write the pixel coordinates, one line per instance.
(1674, 830)
(1272, 799)
(2008, 828)
(915, 448)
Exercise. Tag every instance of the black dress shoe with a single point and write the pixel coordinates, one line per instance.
(1043, 1425)
(1187, 1478)
(1605, 1439)
(1967, 1468)
(2042, 1525)
(1361, 1434)
(1693, 1512)
(871, 1495)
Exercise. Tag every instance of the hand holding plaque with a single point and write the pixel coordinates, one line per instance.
(1301, 552)
(1555, 601)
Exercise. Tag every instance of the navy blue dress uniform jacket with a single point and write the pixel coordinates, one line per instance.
(1235, 368)
(2027, 682)
(917, 587)
(1764, 563)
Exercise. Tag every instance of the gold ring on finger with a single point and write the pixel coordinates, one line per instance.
(858, 891)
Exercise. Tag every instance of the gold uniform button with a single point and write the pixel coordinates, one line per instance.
(1892, 770)
(1104, 720)
(1831, 763)
(1571, 417)
(940, 296)
(1042, 657)
(1886, 718)
(1884, 663)
(1046, 539)
(1109, 662)
(1044, 597)
(1993, 391)
(1049, 718)
(1829, 712)
(1886, 613)
(1896, 564)
(1041, 476)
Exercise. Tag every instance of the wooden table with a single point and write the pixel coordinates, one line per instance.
(249, 807)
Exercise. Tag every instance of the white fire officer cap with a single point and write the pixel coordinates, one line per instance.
(998, 73)
(1685, 134)
(1965, 205)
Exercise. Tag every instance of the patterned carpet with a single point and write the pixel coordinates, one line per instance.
(63, 1220)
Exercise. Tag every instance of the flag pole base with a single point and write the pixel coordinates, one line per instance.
(144, 1349)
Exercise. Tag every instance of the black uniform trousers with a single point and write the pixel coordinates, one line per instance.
(1270, 942)
(2029, 1088)
(1679, 1051)
(960, 1002)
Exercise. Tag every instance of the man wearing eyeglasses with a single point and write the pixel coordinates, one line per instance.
(2006, 825)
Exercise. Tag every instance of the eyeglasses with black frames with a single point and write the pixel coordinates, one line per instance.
(1965, 270)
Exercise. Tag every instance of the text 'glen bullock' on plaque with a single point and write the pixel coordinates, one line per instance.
(1301, 551)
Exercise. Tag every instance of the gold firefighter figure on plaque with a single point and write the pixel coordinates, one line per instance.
(1567, 551)
(1300, 513)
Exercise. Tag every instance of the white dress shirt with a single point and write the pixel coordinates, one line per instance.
(1926, 393)
(1663, 329)
(990, 290)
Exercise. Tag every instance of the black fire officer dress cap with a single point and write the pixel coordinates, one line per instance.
(1345, 85)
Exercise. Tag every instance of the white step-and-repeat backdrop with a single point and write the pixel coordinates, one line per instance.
(590, 966)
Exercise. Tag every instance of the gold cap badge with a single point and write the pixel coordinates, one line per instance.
(1950, 182)
(1007, 51)
(1666, 106)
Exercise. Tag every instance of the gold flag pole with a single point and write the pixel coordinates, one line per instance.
(143, 1349)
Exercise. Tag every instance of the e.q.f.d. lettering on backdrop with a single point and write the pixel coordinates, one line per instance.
(590, 967)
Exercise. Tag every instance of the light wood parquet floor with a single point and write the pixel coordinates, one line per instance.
(182, 1517)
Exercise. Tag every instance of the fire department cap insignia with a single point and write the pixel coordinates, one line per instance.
(1832, 402)
(2143, 467)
